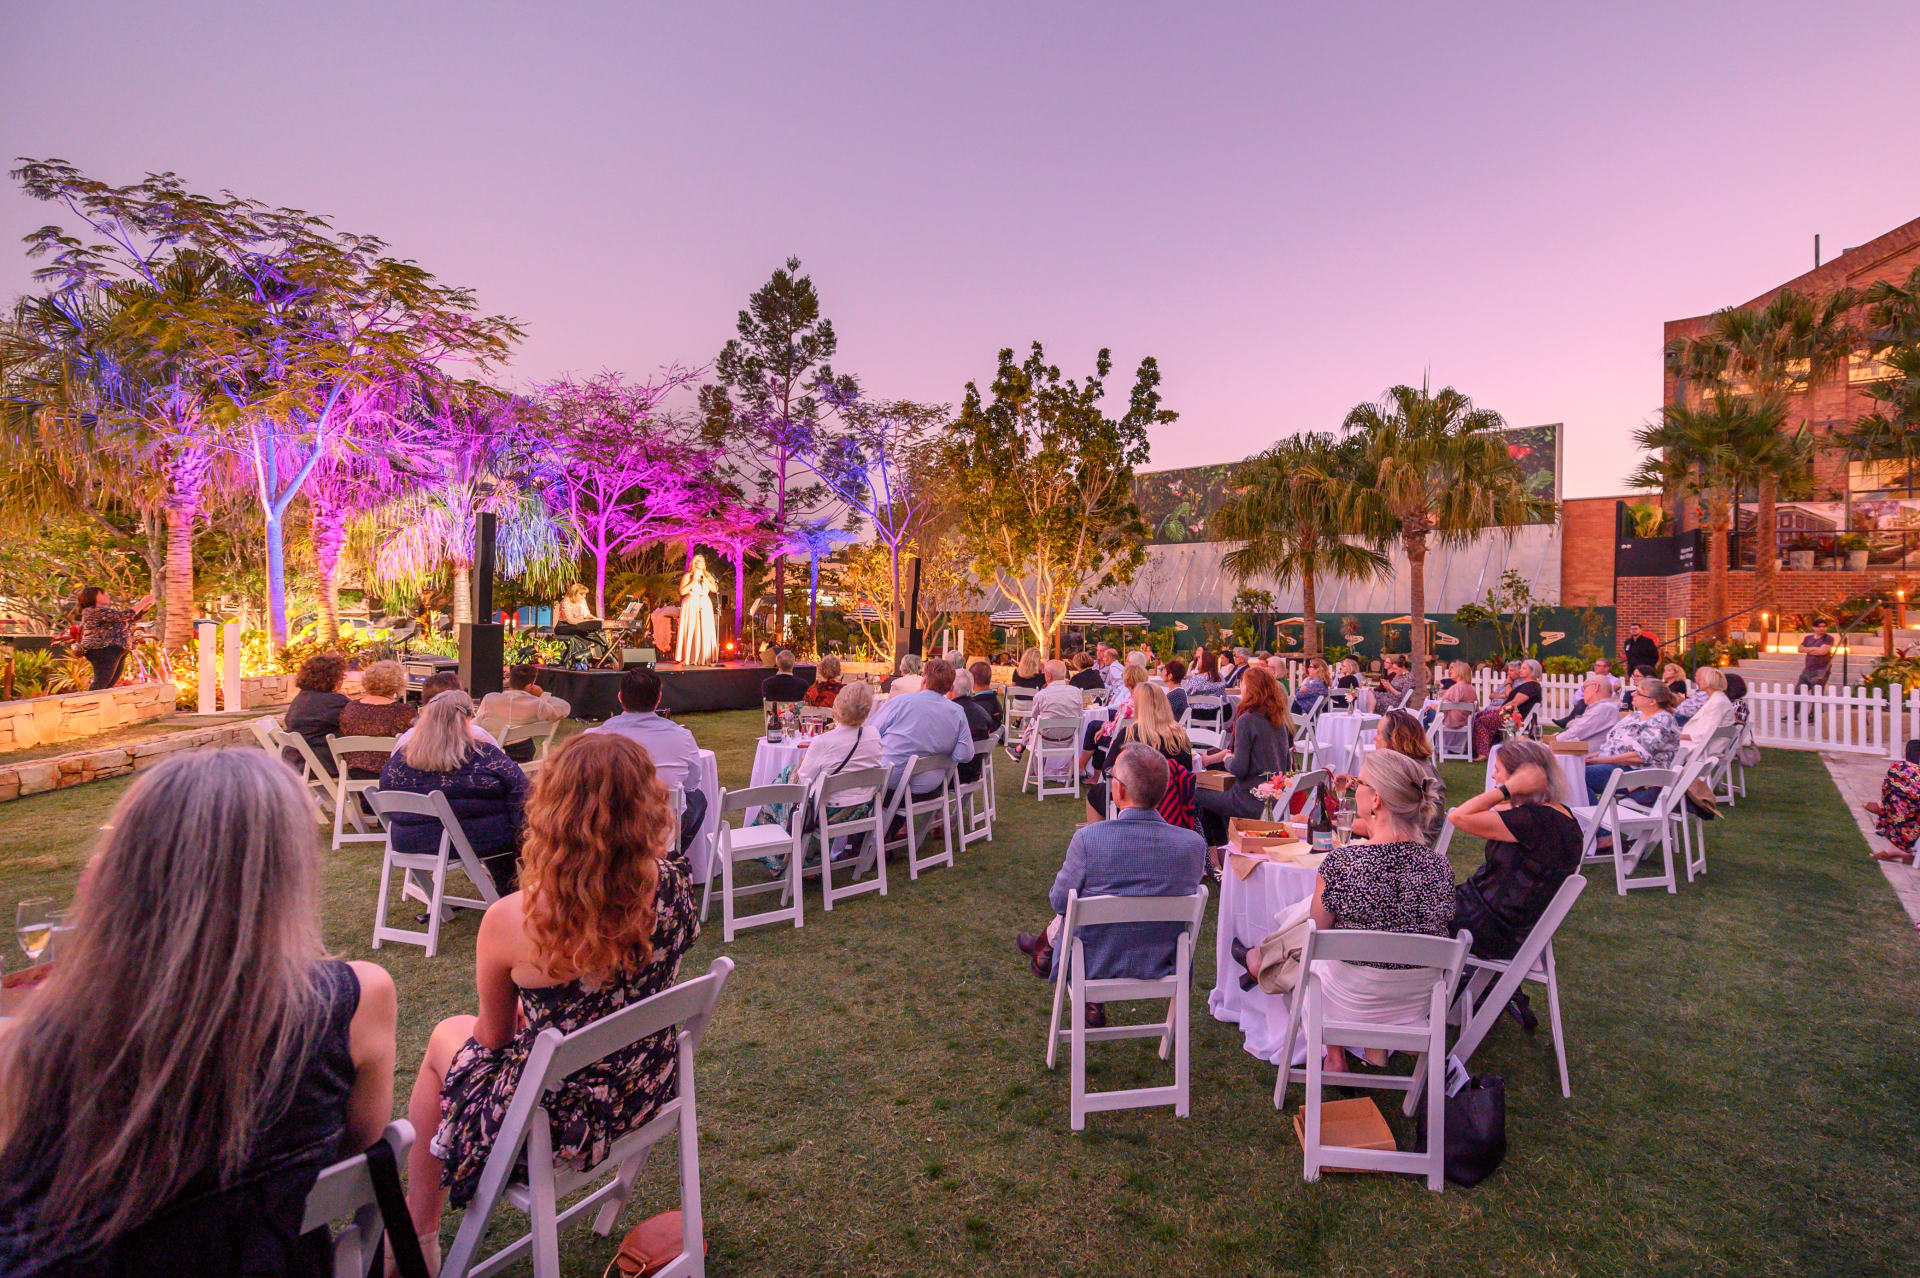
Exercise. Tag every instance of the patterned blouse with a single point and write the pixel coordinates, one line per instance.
(1388, 887)
(107, 628)
(1691, 703)
(1899, 819)
(1656, 740)
(821, 692)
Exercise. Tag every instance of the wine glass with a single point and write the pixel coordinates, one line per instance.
(33, 925)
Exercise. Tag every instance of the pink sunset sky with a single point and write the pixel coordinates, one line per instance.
(1291, 206)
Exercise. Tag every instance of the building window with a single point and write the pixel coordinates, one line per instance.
(1864, 366)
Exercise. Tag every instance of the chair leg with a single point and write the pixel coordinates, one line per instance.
(1436, 1067)
(1553, 1022)
(726, 896)
(436, 907)
(609, 1213)
(380, 902)
(1316, 1059)
(1077, 1028)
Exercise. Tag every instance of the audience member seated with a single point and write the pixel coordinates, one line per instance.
(1394, 882)
(1152, 723)
(979, 724)
(924, 723)
(195, 1057)
(984, 694)
(524, 702)
(826, 684)
(1521, 696)
(315, 710)
(1174, 680)
(433, 686)
(605, 910)
(1674, 675)
(1347, 686)
(1317, 683)
(1400, 732)
(1028, 673)
(1234, 674)
(1647, 738)
(909, 679)
(1599, 715)
(1135, 854)
(1457, 697)
(848, 746)
(785, 685)
(1533, 843)
(1204, 681)
(674, 752)
(1085, 676)
(1896, 817)
(1710, 715)
(1108, 663)
(1262, 747)
(380, 712)
(1602, 670)
(485, 788)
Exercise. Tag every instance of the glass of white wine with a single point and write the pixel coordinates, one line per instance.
(33, 924)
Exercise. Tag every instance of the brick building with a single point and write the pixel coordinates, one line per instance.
(1874, 500)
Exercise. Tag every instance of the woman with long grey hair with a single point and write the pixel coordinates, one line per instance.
(194, 1058)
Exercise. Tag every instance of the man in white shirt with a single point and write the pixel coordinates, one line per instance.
(675, 754)
(445, 681)
(1600, 711)
(924, 723)
(1111, 671)
(524, 702)
(1059, 699)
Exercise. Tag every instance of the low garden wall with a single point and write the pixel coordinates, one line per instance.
(39, 775)
(71, 716)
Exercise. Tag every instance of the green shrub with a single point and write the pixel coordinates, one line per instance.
(1566, 665)
(30, 671)
(1900, 672)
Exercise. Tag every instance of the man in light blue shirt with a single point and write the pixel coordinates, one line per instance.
(924, 723)
(675, 754)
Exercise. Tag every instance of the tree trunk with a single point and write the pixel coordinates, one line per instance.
(740, 599)
(329, 535)
(1717, 522)
(1766, 550)
(153, 549)
(893, 604)
(599, 580)
(276, 578)
(1416, 543)
(1309, 611)
(813, 603)
(177, 624)
(462, 595)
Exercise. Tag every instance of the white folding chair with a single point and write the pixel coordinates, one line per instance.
(1637, 828)
(975, 798)
(1055, 739)
(541, 734)
(1073, 989)
(345, 1189)
(264, 730)
(1424, 1037)
(524, 1143)
(1306, 741)
(347, 790)
(871, 829)
(1693, 830)
(1281, 809)
(1445, 840)
(1207, 718)
(1019, 712)
(323, 785)
(937, 804)
(750, 843)
(1451, 743)
(1478, 1008)
(434, 865)
(1592, 819)
(815, 714)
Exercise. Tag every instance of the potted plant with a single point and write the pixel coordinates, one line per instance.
(1854, 547)
(1800, 553)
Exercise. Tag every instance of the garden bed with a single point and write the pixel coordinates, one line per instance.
(74, 716)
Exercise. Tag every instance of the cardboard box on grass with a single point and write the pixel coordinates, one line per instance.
(1356, 1123)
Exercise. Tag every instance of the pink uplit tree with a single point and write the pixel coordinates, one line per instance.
(622, 474)
(740, 530)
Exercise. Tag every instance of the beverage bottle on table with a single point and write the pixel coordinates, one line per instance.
(1319, 824)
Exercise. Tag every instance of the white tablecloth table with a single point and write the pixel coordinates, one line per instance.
(1572, 766)
(700, 854)
(1334, 734)
(1247, 910)
(769, 759)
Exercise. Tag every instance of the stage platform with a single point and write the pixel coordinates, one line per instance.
(595, 694)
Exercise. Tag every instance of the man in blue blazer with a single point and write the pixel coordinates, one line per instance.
(1135, 854)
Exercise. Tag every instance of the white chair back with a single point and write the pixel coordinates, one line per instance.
(1053, 739)
(934, 806)
(346, 803)
(526, 1133)
(345, 1190)
(434, 866)
(870, 830)
(737, 844)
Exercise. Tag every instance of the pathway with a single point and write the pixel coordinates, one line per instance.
(1858, 777)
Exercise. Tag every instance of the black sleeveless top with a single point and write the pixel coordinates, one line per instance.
(250, 1229)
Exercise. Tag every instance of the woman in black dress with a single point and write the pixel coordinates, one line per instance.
(315, 710)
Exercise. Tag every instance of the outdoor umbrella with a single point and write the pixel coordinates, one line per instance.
(1126, 619)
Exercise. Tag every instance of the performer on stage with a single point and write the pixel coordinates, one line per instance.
(573, 615)
(699, 643)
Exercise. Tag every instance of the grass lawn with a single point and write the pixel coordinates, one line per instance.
(874, 1097)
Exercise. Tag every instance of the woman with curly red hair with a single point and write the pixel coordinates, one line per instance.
(604, 912)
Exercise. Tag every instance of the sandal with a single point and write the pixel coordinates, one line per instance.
(1898, 858)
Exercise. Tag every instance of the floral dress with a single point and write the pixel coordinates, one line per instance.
(1899, 819)
(604, 1101)
(1655, 738)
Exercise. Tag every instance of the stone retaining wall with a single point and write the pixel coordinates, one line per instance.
(39, 775)
(70, 716)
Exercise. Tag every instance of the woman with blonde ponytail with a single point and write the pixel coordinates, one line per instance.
(1392, 882)
(169, 1094)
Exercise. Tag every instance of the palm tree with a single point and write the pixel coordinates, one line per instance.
(466, 454)
(1431, 469)
(1891, 432)
(1710, 454)
(1289, 509)
(816, 541)
(1770, 353)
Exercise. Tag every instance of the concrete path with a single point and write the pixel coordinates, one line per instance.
(1858, 777)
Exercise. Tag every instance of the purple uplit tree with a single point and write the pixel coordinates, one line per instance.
(623, 476)
(816, 541)
(740, 530)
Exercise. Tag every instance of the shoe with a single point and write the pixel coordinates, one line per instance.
(1521, 1010)
(1030, 945)
(1239, 951)
(1096, 1016)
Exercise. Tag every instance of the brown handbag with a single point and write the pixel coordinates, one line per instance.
(651, 1245)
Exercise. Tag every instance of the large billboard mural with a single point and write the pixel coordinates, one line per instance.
(1178, 504)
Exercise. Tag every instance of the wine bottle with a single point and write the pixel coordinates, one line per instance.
(1319, 824)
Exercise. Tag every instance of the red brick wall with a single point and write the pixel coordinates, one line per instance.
(1586, 551)
(1652, 601)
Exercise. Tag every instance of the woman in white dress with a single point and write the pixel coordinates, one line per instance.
(699, 643)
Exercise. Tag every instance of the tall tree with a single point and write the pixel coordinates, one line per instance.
(622, 474)
(1710, 454)
(767, 400)
(1049, 514)
(1289, 509)
(1890, 430)
(816, 541)
(1770, 352)
(1432, 470)
(305, 318)
(467, 452)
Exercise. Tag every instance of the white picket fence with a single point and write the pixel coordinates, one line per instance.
(1853, 720)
